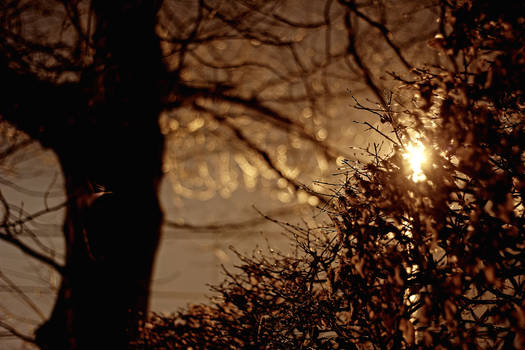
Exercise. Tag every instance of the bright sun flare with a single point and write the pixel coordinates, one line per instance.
(415, 155)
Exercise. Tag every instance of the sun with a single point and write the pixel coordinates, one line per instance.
(416, 157)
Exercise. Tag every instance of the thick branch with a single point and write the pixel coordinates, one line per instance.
(384, 31)
(187, 94)
(37, 107)
(31, 252)
(223, 226)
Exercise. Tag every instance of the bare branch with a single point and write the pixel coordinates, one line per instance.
(16, 333)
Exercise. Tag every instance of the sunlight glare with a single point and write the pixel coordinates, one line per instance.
(415, 155)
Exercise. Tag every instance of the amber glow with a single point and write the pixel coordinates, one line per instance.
(416, 157)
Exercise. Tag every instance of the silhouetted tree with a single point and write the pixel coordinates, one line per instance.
(94, 126)
(427, 239)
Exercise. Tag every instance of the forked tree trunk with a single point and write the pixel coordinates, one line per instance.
(111, 157)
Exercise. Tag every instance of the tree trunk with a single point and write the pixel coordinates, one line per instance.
(111, 156)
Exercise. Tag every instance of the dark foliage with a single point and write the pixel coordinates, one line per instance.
(431, 260)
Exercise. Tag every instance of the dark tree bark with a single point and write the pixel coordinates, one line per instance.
(105, 133)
